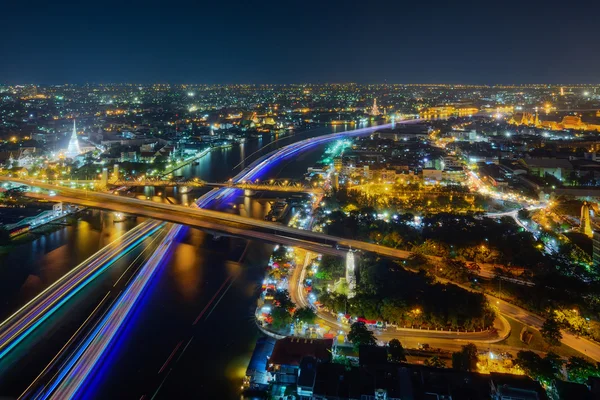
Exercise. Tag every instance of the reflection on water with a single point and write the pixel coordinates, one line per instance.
(29, 268)
(204, 273)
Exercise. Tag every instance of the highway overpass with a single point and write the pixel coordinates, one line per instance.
(224, 223)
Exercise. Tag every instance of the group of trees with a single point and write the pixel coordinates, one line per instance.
(544, 369)
(360, 335)
(465, 237)
(466, 358)
(284, 311)
(330, 268)
(549, 367)
(388, 292)
(551, 331)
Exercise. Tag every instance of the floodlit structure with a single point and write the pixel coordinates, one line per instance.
(73, 150)
(585, 226)
(375, 109)
(350, 274)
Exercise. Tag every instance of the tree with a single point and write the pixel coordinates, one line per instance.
(466, 358)
(360, 335)
(542, 369)
(396, 351)
(281, 318)
(282, 299)
(306, 315)
(435, 362)
(579, 369)
(551, 331)
(524, 214)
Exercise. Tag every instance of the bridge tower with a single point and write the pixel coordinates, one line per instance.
(350, 274)
(104, 177)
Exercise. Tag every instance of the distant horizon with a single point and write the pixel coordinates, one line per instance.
(304, 83)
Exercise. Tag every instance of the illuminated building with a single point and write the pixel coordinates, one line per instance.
(525, 119)
(557, 167)
(337, 164)
(73, 149)
(447, 111)
(568, 122)
(585, 226)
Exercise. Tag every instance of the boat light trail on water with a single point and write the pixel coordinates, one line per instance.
(72, 378)
(74, 375)
(23, 322)
(261, 165)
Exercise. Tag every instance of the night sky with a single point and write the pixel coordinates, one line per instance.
(299, 41)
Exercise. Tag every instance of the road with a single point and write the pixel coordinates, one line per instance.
(227, 223)
(270, 232)
(297, 295)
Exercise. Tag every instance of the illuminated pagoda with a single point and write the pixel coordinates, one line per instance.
(375, 109)
(73, 150)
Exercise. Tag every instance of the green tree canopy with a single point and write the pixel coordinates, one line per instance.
(579, 369)
(542, 369)
(360, 335)
(306, 315)
(281, 318)
(466, 358)
(396, 351)
(435, 362)
(551, 331)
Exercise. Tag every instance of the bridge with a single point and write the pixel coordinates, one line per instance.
(216, 221)
(224, 223)
(276, 185)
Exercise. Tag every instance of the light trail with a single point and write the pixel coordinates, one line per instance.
(23, 322)
(73, 377)
(262, 164)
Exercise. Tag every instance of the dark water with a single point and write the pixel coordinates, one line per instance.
(217, 278)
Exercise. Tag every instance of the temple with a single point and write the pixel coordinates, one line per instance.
(73, 149)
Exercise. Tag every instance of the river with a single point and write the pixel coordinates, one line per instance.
(217, 279)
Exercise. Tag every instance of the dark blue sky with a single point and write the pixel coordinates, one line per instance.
(300, 41)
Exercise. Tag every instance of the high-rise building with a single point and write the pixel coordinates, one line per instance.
(73, 150)
(585, 225)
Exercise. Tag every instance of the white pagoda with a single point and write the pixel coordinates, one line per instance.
(73, 150)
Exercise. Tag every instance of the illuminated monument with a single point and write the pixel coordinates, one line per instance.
(375, 109)
(73, 150)
(350, 274)
(585, 226)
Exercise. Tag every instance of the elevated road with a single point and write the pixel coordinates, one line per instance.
(222, 222)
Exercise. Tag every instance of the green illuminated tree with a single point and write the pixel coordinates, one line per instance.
(281, 318)
(579, 369)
